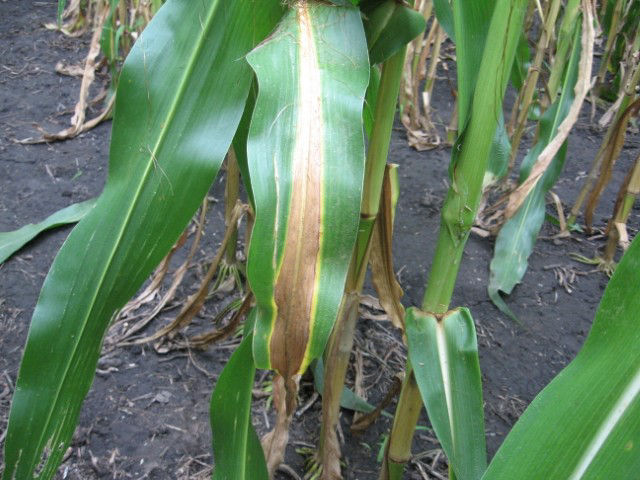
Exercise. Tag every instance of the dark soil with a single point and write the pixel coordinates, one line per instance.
(146, 415)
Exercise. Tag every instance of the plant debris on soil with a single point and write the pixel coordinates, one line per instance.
(146, 415)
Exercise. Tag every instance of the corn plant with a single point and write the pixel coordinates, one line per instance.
(305, 94)
(525, 212)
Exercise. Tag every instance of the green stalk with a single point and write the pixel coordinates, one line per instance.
(231, 189)
(565, 35)
(469, 162)
(381, 133)
(341, 341)
(452, 128)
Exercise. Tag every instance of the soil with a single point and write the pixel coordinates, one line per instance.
(146, 415)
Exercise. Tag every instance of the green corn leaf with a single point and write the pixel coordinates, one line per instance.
(471, 23)
(444, 14)
(237, 452)
(554, 221)
(348, 398)
(240, 142)
(389, 26)
(444, 357)
(518, 235)
(107, 37)
(586, 423)
(306, 145)
(61, 6)
(181, 94)
(499, 155)
(370, 100)
(521, 63)
(11, 242)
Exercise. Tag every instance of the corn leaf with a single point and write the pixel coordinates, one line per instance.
(240, 142)
(444, 14)
(471, 20)
(518, 235)
(471, 24)
(470, 154)
(237, 452)
(389, 26)
(586, 423)
(371, 99)
(499, 154)
(348, 398)
(306, 147)
(444, 357)
(383, 276)
(521, 63)
(11, 242)
(181, 94)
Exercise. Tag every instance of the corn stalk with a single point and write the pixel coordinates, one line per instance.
(341, 341)
(468, 165)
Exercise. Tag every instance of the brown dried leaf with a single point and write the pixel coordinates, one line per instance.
(381, 257)
(275, 442)
(611, 153)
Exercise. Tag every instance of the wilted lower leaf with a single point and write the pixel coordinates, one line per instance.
(383, 275)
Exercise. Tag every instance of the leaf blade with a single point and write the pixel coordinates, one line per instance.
(586, 423)
(444, 358)
(11, 242)
(518, 235)
(306, 144)
(163, 158)
(389, 26)
(237, 452)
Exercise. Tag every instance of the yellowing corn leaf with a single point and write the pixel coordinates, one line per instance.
(306, 162)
